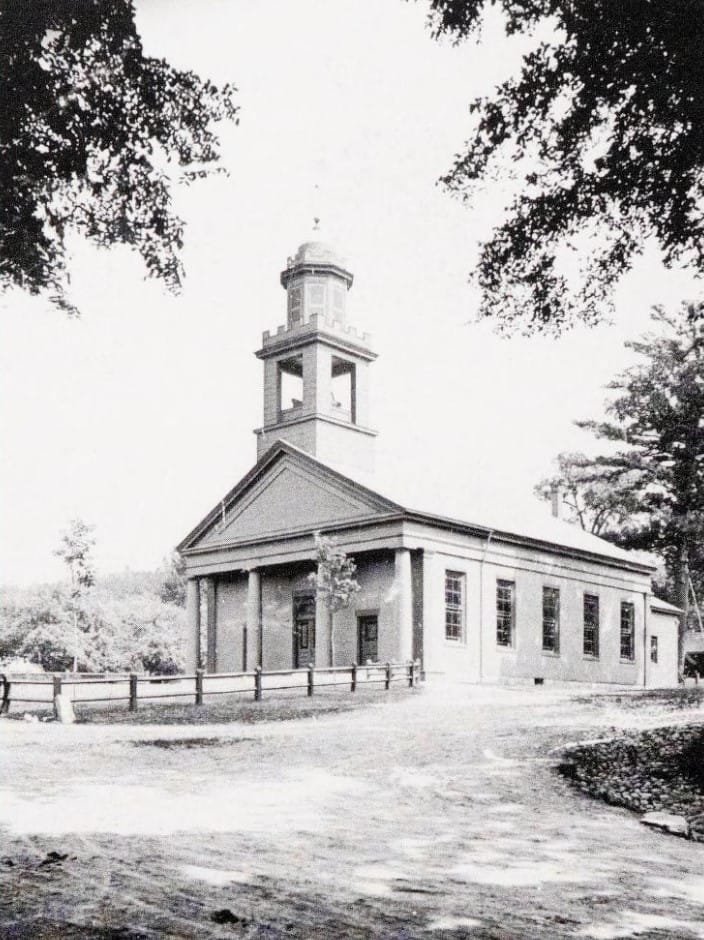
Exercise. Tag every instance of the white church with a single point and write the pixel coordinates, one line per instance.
(529, 597)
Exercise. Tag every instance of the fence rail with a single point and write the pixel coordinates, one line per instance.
(134, 688)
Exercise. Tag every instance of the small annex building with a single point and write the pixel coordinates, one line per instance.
(530, 597)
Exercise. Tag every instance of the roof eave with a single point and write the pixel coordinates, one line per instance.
(531, 542)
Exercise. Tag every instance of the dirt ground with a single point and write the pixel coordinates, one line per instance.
(436, 813)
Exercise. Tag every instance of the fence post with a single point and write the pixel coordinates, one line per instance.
(199, 686)
(416, 672)
(258, 684)
(133, 692)
(353, 686)
(411, 673)
(5, 704)
(56, 685)
(387, 678)
(311, 679)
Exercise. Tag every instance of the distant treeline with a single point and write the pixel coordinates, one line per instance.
(134, 620)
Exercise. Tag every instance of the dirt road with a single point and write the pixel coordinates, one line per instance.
(436, 815)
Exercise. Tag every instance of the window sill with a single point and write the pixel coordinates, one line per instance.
(588, 657)
(553, 654)
(627, 662)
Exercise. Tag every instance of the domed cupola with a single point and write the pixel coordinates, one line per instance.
(316, 281)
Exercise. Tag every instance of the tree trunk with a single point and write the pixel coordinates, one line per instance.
(75, 639)
(331, 638)
(681, 580)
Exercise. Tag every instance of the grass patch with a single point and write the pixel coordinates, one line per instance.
(227, 709)
(169, 744)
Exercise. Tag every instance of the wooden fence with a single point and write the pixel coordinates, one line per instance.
(135, 688)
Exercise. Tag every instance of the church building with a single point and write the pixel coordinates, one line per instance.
(530, 597)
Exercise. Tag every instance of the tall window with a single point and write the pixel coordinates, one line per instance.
(551, 619)
(505, 612)
(591, 625)
(454, 606)
(627, 630)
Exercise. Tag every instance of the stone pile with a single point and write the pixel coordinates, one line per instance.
(655, 772)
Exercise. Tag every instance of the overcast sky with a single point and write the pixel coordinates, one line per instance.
(138, 417)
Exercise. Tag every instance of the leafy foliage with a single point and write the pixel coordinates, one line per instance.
(124, 625)
(334, 581)
(604, 126)
(76, 545)
(90, 132)
(655, 472)
(601, 499)
(335, 578)
(39, 628)
(173, 587)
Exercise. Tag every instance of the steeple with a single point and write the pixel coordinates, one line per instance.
(316, 366)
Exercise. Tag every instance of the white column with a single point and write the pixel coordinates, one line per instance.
(211, 658)
(193, 622)
(404, 603)
(254, 620)
(432, 612)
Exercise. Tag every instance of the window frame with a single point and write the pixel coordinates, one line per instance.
(456, 607)
(548, 590)
(596, 627)
(503, 584)
(654, 648)
(631, 657)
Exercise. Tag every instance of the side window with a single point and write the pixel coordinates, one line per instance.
(551, 619)
(653, 649)
(505, 612)
(627, 631)
(454, 606)
(591, 625)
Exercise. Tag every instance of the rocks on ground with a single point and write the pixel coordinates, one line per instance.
(659, 773)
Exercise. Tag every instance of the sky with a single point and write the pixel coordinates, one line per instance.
(138, 416)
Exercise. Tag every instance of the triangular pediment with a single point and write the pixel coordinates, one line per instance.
(287, 491)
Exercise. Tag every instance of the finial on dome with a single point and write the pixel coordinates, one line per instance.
(316, 224)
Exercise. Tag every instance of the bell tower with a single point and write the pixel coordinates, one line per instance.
(316, 367)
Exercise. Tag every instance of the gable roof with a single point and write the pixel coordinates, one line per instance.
(286, 490)
(293, 489)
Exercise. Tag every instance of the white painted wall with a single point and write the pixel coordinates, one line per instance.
(662, 674)
(479, 655)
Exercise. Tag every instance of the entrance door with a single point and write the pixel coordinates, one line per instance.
(368, 631)
(303, 630)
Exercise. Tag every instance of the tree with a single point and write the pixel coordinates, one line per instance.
(91, 132)
(604, 128)
(334, 582)
(599, 498)
(75, 550)
(39, 629)
(173, 587)
(657, 435)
